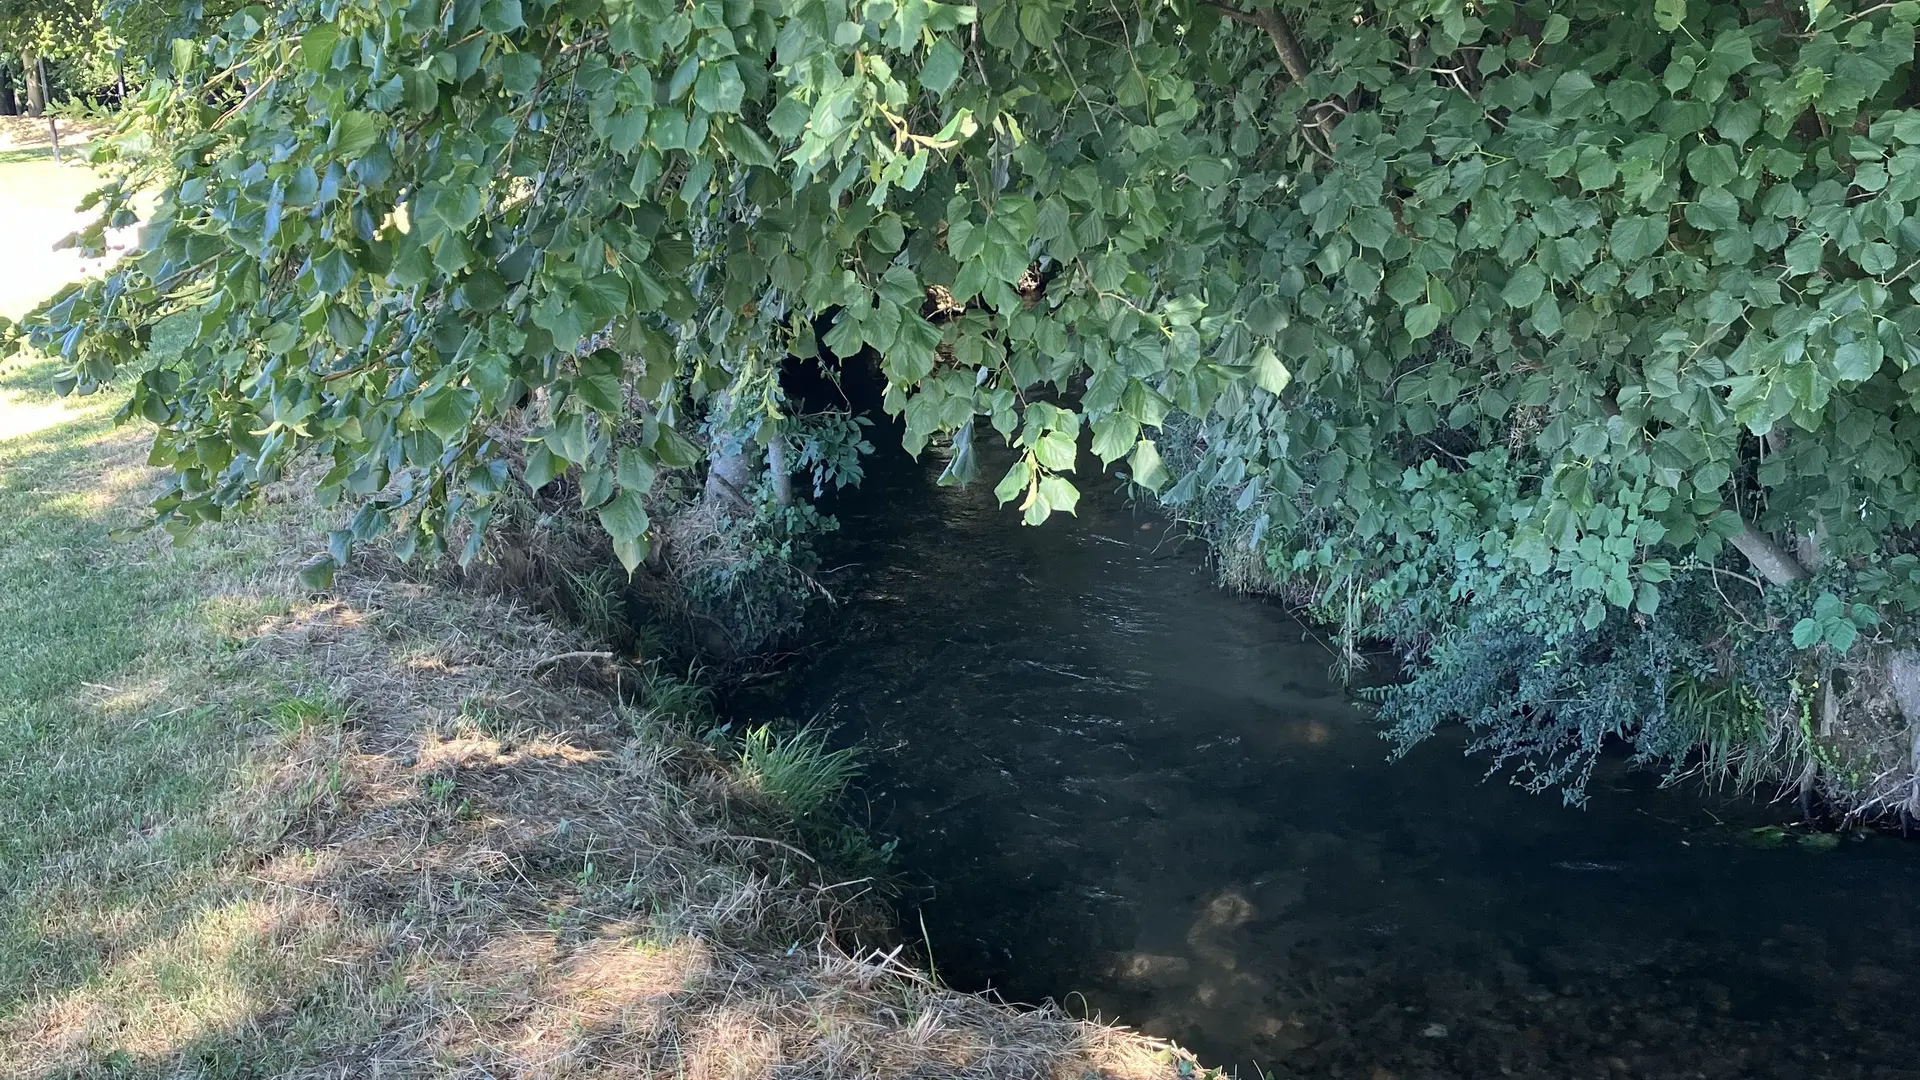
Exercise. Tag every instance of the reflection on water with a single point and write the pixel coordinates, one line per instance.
(1123, 789)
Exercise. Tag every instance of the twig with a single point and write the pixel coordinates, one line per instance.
(581, 655)
(764, 840)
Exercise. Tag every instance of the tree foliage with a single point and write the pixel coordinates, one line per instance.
(1649, 275)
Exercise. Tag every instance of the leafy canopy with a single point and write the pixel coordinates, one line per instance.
(443, 243)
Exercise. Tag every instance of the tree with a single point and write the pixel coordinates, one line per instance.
(1650, 280)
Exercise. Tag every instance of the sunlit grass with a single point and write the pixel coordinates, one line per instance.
(39, 200)
(126, 720)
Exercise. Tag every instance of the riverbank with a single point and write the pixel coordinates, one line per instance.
(395, 828)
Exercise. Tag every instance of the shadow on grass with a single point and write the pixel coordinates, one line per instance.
(21, 157)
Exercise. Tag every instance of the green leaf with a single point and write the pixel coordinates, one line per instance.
(1804, 254)
(1114, 436)
(941, 67)
(1524, 287)
(1841, 634)
(674, 450)
(1806, 634)
(1269, 373)
(174, 335)
(355, 133)
(719, 89)
(317, 573)
(1713, 210)
(1015, 483)
(1059, 494)
(541, 468)
(1422, 319)
(449, 412)
(1555, 30)
(1712, 164)
(502, 16)
(316, 47)
(1635, 238)
(1056, 450)
(626, 521)
(1669, 14)
(1146, 467)
(1646, 599)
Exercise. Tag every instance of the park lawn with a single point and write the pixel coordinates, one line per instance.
(134, 728)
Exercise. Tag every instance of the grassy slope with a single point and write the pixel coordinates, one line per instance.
(249, 831)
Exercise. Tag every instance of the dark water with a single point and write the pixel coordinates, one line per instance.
(1120, 788)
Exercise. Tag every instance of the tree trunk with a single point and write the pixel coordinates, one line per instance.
(730, 475)
(9, 105)
(36, 91)
(779, 471)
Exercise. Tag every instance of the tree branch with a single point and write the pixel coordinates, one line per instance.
(1284, 43)
(1769, 558)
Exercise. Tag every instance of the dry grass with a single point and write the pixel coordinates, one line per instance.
(251, 831)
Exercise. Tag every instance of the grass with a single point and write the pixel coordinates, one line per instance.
(796, 772)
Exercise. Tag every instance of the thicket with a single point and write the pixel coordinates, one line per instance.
(1567, 344)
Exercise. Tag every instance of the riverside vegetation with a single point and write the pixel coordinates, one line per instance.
(1568, 352)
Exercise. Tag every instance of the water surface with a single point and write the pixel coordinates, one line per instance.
(1120, 788)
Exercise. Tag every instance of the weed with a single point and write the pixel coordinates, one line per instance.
(292, 715)
(669, 703)
(599, 605)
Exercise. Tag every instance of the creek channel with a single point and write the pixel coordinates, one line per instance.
(1116, 786)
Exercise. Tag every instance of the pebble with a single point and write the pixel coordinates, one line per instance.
(1434, 1031)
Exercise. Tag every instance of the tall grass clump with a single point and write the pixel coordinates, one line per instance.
(796, 772)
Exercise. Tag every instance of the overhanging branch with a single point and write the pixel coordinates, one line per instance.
(1277, 28)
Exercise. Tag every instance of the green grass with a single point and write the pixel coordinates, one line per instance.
(38, 198)
(796, 772)
(127, 715)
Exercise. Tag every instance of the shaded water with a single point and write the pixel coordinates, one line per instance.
(1118, 787)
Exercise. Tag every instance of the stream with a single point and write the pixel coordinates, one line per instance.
(1118, 787)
